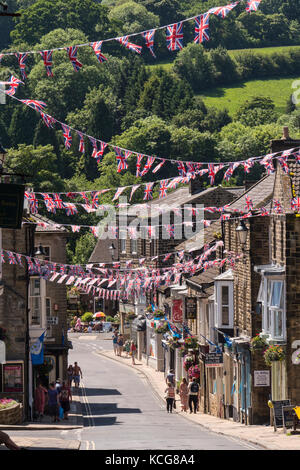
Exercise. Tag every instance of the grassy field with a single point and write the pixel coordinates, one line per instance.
(231, 98)
(265, 50)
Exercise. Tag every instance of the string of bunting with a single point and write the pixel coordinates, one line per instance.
(174, 39)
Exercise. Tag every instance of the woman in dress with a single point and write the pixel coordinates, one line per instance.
(70, 375)
(184, 394)
(65, 399)
(40, 399)
(133, 352)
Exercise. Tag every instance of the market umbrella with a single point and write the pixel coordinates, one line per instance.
(99, 315)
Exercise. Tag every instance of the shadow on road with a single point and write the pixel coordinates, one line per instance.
(96, 392)
(110, 409)
(107, 421)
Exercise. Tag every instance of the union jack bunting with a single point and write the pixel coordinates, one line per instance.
(33, 202)
(95, 231)
(67, 135)
(81, 147)
(22, 56)
(19, 258)
(11, 258)
(268, 163)
(163, 188)
(170, 230)
(35, 104)
(84, 196)
(202, 28)
(138, 164)
(2, 257)
(222, 12)
(230, 170)
(96, 46)
(118, 193)
(98, 153)
(252, 5)
(95, 199)
(181, 169)
(75, 228)
(49, 203)
(148, 165)
(277, 207)
(249, 203)
(129, 45)
(158, 167)
(133, 190)
(1, 57)
(47, 58)
(211, 173)
(14, 82)
(149, 40)
(148, 192)
(264, 212)
(71, 209)
(174, 36)
(121, 159)
(58, 201)
(167, 257)
(295, 204)
(48, 120)
(284, 164)
(72, 53)
(248, 164)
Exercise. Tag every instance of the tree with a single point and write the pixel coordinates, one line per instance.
(133, 17)
(44, 16)
(258, 110)
(84, 248)
(290, 105)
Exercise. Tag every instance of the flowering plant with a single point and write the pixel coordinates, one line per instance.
(162, 327)
(158, 313)
(274, 353)
(191, 342)
(174, 342)
(257, 342)
(188, 362)
(194, 371)
(7, 403)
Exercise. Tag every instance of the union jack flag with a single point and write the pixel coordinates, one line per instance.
(19, 258)
(71, 195)
(138, 164)
(48, 120)
(247, 165)
(252, 5)
(264, 212)
(148, 192)
(249, 203)
(202, 28)
(223, 11)
(75, 228)
(158, 167)
(81, 142)
(14, 82)
(72, 53)
(129, 45)
(163, 188)
(67, 135)
(268, 163)
(35, 104)
(277, 207)
(295, 204)
(211, 173)
(119, 192)
(47, 58)
(11, 258)
(97, 49)
(174, 36)
(228, 174)
(33, 202)
(181, 169)
(2, 257)
(170, 230)
(22, 56)
(84, 196)
(284, 164)
(167, 257)
(71, 209)
(121, 159)
(58, 201)
(49, 203)
(95, 199)
(133, 190)
(149, 40)
(148, 165)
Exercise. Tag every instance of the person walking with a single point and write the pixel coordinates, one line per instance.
(171, 377)
(40, 399)
(115, 343)
(53, 402)
(193, 389)
(77, 374)
(170, 396)
(65, 398)
(184, 394)
(133, 352)
(120, 345)
(70, 375)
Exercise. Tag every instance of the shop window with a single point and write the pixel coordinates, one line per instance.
(133, 246)
(123, 245)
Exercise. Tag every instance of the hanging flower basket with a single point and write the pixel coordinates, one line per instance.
(194, 371)
(173, 342)
(188, 362)
(273, 354)
(258, 343)
(161, 328)
(158, 313)
(191, 342)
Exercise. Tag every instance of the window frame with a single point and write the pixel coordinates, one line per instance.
(269, 311)
(219, 305)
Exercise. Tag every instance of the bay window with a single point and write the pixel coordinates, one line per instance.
(223, 304)
(271, 296)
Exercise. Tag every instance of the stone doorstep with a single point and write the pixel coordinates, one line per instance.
(262, 436)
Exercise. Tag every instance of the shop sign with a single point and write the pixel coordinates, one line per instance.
(261, 378)
(177, 313)
(214, 360)
(13, 377)
(277, 407)
(11, 205)
(191, 308)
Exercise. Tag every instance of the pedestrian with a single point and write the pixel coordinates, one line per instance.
(8, 442)
(70, 375)
(171, 377)
(40, 399)
(120, 345)
(184, 394)
(115, 343)
(65, 398)
(127, 347)
(77, 374)
(58, 385)
(193, 394)
(133, 351)
(170, 397)
(53, 402)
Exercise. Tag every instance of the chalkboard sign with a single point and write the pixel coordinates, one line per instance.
(214, 360)
(277, 412)
(288, 416)
(191, 308)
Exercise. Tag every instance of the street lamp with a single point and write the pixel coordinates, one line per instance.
(40, 253)
(112, 249)
(242, 233)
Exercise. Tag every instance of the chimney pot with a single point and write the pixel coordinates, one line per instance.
(285, 135)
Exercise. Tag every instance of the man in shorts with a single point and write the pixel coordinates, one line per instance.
(76, 374)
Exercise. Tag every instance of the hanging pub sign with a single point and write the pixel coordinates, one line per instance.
(190, 308)
(11, 205)
(177, 312)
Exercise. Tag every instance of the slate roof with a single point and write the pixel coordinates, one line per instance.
(50, 228)
(205, 236)
(206, 280)
(261, 194)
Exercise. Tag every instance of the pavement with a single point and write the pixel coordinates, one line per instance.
(263, 436)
